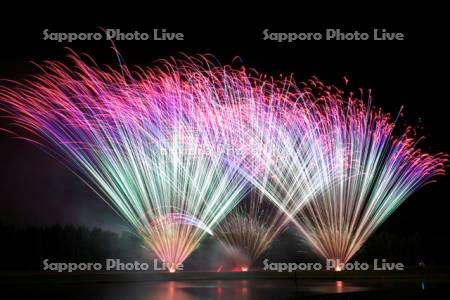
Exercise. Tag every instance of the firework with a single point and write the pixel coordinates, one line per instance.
(150, 145)
(173, 149)
(282, 140)
(373, 173)
(249, 229)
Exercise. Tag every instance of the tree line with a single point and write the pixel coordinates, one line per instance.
(25, 248)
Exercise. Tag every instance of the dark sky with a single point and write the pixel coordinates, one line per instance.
(36, 189)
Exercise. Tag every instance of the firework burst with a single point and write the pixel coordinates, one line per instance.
(249, 229)
(373, 173)
(173, 149)
(150, 144)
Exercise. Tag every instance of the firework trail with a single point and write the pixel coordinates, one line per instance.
(374, 172)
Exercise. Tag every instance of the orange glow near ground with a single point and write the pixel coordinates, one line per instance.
(339, 286)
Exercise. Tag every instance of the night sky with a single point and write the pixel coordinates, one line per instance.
(35, 189)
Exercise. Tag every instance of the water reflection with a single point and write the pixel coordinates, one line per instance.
(172, 292)
(206, 289)
(339, 286)
(243, 289)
